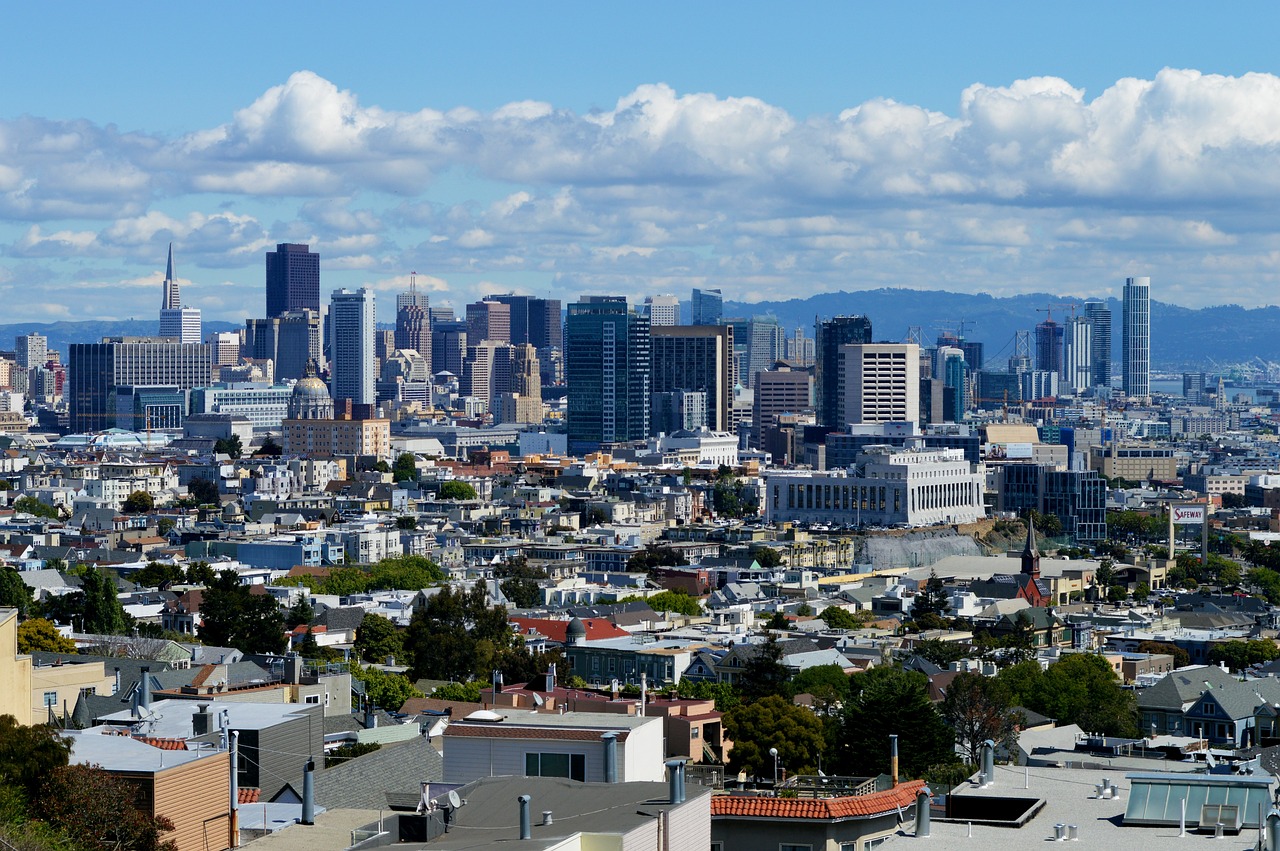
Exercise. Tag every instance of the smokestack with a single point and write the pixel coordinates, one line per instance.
(610, 757)
(144, 700)
(893, 757)
(309, 793)
(526, 829)
(922, 813)
(675, 780)
(200, 722)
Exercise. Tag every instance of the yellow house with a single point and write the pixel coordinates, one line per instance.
(57, 687)
(15, 670)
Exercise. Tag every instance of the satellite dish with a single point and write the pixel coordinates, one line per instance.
(454, 800)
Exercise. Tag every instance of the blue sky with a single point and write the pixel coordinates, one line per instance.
(644, 148)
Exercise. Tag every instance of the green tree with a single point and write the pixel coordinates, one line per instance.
(229, 446)
(377, 639)
(102, 812)
(1105, 576)
(203, 491)
(269, 448)
(404, 573)
(774, 722)
(804, 610)
(341, 754)
(940, 653)
(978, 708)
(36, 508)
(653, 556)
(27, 756)
(1181, 658)
(778, 620)
(38, 634)
(138, 502)
(1080, 688)
(461, 692)
(406, 522)
(767, 556)
(459, 490)
(828, 684)
(158, 575)
(406, 468)
(301, 612)
(200, 573)
(234, 616)
(677, 601)
(386, 689)
(103, 614)
(14, 593)
(931, 604)
(1240, 654)
(838, 617)
(458, 636)
(884, 701)
(763, 673)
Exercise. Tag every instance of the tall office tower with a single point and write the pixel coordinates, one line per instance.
(298, 343)
(97, 370)
(293, 279)
(31, 350)
(607, 370)
(515, 394)
(352, 323)
(1136, 343)
(779, 391)
(881, 382)
(411, 297)
(384, 345)
(828, 375)
(1099, 316)
(224, 347)
(172, 298)
(448, 347)
(535, 321)
(1039, 384)
(955, 382)
(663, 310)
(974, 354)
(706, 307)
(488, 320)
(176, 320)
(696, 358)
(1049, 347)
(760, 342)
(477, 378)
(441, 314)
(1077, 354)
(413, 329)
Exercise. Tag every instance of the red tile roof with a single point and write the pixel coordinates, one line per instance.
(248, 795)
(854, 806)
(164, 744)
(597, 628)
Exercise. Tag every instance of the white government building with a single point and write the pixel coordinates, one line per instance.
(887, 487)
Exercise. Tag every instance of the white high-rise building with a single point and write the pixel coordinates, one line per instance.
(1077, 354)
(663, 310)
(881, 382)
(354, 362)
(181, 323)
(1136, 344)
(31, 350)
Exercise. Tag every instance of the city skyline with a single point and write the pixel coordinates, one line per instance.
(1026, 164)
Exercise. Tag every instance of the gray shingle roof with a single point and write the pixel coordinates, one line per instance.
(364, 782)
(1182, 687)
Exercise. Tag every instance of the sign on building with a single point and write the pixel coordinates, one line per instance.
(1188, 515)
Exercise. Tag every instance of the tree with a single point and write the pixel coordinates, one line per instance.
(300, 613)
(804, 610)
(774, 722)
(978, 708)
(457, 636)
(767, 556)
(778, 620)
(677, 601)
(28, 755)
(377, 639)
(38, 634)
(14, 593)
(1234, 500)
(236, 617)
(838, 617)
(459, 490)
(406, 522)
(828, 684)
(203, 491)
(36, 508)
(884, 701)
(763, 673)
(1181, 658)
(730, 497)
(103, 812)
(386, 689)
(158, 575)
(406, 468)
(461, 692)
(655, 556)
(1105, 576)
(931, 604)
(1081, 688)
(521, 583)
(940, 653)
(200, 573)
(229, 446)
(269, 448)
(138, 502)
(103, 614)
(1240, 654)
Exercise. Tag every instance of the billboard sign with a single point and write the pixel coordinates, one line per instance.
(1188, 515)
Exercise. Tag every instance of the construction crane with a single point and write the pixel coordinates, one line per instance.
(1048, 310)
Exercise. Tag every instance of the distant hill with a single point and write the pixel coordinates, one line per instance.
(1182, 337)
(63, 334)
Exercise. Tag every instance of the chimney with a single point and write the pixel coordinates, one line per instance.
(144, 701)
(526, 829)
(200, 722)
(309, 793)
(610, 757)
(675, 780)
(989, 762)
(893, 757)
(293, 668)
(370, 716)
(922, 813)
(116, 690)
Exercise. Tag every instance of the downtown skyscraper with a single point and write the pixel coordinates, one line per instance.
(353, 367)
(1136, 343)
(1099, 316)
(293, 279)
(182, 323)
(607, 370)
(828, 375)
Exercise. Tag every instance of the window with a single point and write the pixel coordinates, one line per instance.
(570, 765)
(89, 691)
(50, 698)
(693, 732)
(788, 847)
(312, 698)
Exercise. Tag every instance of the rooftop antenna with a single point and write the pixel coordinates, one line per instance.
(413, 282)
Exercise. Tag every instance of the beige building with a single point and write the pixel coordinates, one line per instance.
(1136, 462)
(881, 382)
(56, 688)
(336, 438)
(15, 670)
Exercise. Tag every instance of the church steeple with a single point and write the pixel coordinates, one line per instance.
(172, 299)
(1031, 555)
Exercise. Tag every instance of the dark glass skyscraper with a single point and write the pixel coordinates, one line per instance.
(1099, 316)
(607, 370)
(1049, 347)
(535, 321)
(293, 279)
(828, 378)
(706, 307)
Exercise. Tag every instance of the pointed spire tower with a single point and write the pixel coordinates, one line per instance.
(1031, 555)
(172, 297)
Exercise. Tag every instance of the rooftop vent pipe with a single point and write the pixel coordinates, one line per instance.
(526, 829)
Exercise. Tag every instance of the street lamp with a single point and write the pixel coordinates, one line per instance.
(773, 752)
